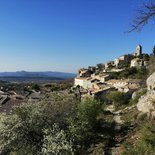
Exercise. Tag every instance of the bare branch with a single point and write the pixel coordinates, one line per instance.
(145, 14)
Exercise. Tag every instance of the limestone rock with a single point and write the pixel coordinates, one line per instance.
(151, 82)
(146, 103)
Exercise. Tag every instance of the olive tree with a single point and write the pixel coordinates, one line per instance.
(29, 128)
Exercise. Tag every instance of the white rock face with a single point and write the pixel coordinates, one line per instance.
(146, 103)
(151, 82)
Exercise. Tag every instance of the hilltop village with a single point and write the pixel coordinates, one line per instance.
(99, 80)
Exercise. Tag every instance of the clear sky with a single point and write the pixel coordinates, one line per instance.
(64, 35)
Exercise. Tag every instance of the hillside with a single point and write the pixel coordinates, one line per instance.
(108, 110)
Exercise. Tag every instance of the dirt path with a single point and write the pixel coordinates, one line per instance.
(113, 148)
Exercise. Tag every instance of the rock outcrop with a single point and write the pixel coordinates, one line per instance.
(151, 82)
(146, 103)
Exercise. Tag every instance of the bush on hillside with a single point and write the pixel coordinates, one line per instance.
(145, 143)
(35, 87)
(118, 98)
(24, 129)
(138, 94)
(133, 73)
(83, 124)
(62, 127)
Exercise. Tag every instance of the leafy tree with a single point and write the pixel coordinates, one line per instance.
(100, 67)
(55, 142)
(83, 123)
(60, 127)
(124, 65)
(128, 72)
(27, 127)
(146, 57)
(141, 73)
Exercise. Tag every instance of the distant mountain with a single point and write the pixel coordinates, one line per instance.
(48, 74)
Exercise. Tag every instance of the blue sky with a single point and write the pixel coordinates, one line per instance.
(64, 35)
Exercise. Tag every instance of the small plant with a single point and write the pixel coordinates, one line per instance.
(137, 96)
(118, 98)
(35, 87)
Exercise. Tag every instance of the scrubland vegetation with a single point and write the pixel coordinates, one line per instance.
(61, 124)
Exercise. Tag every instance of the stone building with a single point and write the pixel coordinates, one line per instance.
(82, 82)
(138, 51)
(101, 77)
(124, 85)
(124, 59)
(84, 72)
(109, 65)
(137, 62)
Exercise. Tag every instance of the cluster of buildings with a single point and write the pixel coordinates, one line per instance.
(137, 59)
(93, 82)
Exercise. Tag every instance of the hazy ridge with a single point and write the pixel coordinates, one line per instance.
(37, 74)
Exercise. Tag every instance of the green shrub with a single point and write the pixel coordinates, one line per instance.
(35, 87)
(138, 95)
(24, 129)
(133, 72)
(118, 98)
(61, 127)
(145, 143)
(83, 123)
(55, 142)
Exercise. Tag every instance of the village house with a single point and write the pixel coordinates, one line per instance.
(101, 77)
(140, 58)
(109, 65)
(84, 72)
(98, 85)
(91, 82)
(137, 62)
(83, 82)
(124, 59)
(125, 85)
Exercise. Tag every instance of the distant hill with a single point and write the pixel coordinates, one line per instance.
(48, 74)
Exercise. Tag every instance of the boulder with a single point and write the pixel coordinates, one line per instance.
(151, 82)
(146, 103)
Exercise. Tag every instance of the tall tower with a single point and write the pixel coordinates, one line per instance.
(138, 51)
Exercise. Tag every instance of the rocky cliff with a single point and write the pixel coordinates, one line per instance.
(146, 103)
